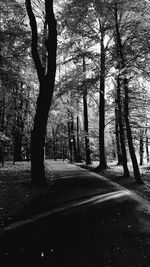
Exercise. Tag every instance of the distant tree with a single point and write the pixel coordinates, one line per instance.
(13, 52)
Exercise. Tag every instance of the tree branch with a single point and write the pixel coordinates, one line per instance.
(51, 43)
(34, 45)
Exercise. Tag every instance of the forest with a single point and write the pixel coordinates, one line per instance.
(75, 82)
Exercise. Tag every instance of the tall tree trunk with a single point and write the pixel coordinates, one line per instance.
(117, 131)
(46, 78)
(86, 124)
(141, 148)
(113, 147)
(122, 68)
(62, 142)
(78, 142)
(147, 148)
(136, 171)
(78, 131)
(69, 137)
(54, 145)
(103, 163)
(74, 154)
(38, 139)
(122, 139)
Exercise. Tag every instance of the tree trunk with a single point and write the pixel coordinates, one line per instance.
(17, 148)
(87, 145)
(86, 127)
(69, 137)
(38, 139)
(141, 148)
(103, 163)
(147, 148)
(117, 132)
(54, 145)
(46, 78)
(78, 142)
(136, 171)
(74, 152)
(122, 141)
(113, 147)
(122, 69)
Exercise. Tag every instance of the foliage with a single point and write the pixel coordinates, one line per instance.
(80, 27)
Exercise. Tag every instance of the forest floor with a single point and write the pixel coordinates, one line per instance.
(16, 191)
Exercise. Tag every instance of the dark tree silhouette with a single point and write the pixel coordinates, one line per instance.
(46, 76)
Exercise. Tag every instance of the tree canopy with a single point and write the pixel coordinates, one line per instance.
(88, 102)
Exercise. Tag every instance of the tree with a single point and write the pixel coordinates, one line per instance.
(117, 134)
(46, 77)
(146, 144)
(125, 82)
(86, 121)
(103, 163)
(82, 23)
(121, 128)
(14, 63)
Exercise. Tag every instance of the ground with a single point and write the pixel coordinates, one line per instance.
(115, 173)
(17, 192)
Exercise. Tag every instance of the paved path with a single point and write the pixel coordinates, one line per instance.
(74, 182)
(71, 186)
(89, 222)
(61, 168)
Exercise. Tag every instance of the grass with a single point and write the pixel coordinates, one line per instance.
(15, 190)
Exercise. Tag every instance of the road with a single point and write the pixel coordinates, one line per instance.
(98, 223)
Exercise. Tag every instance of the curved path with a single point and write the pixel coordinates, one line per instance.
(92, 223)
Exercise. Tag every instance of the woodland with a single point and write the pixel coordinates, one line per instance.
(75, 83)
